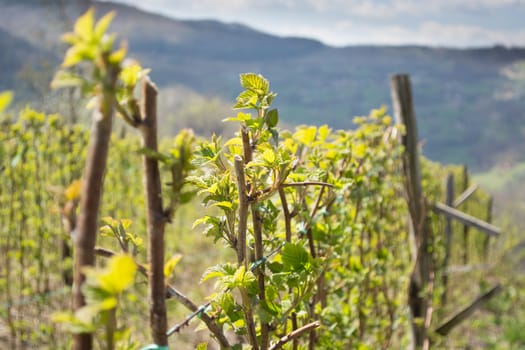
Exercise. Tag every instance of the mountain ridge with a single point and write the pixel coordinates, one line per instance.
(468, 109)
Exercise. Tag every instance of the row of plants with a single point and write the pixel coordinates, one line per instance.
(314, 219)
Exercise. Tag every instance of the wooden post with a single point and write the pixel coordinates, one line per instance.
(486, 241)
(419, 294)
(90, 200)
(465, 195)
(448, 239)
(465, 227)
(467, 219)
(156, 219)
(462, 315)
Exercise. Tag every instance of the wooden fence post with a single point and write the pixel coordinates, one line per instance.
(419, 294)
(462, 315)
(448, 236)
(156, 218)
(90, 200)
(486, 242)
(466, 228)
(466, 219)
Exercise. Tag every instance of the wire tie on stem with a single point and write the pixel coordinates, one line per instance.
(155, 347)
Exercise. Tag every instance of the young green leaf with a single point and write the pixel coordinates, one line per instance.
(84, 25)
(221, 270)
(295, 257)
(103, 24)
(73, 191)
(255, 82)
(117, 276)
(202, 346)
(272, 118)
(5, 99)
(64, 79)
(170, 265)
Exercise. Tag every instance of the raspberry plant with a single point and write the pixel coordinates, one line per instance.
(315, 218)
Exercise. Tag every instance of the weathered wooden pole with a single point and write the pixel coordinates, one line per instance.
(421, 279)
(448, 236)
(465, 195)
(91, 199)
(466, 228)
(467, 219)
(156, 218)
(462, 315)
(490, 205)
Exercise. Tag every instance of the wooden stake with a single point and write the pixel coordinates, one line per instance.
(156, 218)
(467, 219)
(445, 328)
(90, 199)
(448, 238)
(421, 277)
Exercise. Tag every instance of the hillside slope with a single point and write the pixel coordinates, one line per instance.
(468, 110)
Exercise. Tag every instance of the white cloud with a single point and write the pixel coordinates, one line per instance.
(342, 22)
(431, 33)
(427, 33)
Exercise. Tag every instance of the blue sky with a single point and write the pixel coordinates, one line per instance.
(453, 23)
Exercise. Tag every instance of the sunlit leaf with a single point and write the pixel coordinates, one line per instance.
(119, 274)
(5, 99)
(207, 219)
(73, 190)
(234, 141)
(84, 25)
(255, 82)
(118, 56)
(131, 74)
(269, 156)
(359, 150)
(223, 205)
(72, 323)
(202, 346)
(70, 38)
(103, 24)
(170, 265)
(62, 317)
(63, 79)
(246, 99)
(324, 132)
(218, 271)
(241, 117)
(78, 53)
(306, 135)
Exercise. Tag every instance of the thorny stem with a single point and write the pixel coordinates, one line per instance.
(309, 228)
(257, 232)
(295, 334)
(295, 342)
(111, 326)
(307, 183)
(124, 114)
(259, 253)
(319, 296)
(156, 220)
(246, 146)
(243, 211)
(248, 318)
(287, 216)
(243, 218)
